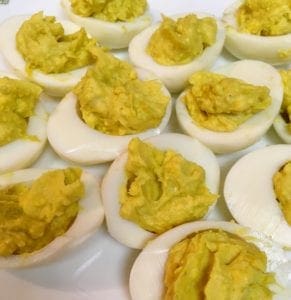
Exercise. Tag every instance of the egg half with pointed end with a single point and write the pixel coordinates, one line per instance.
(231, 108)
(114, 24)
(257, 192)
(53, 54)
(23, 121)
(158, 184)
(217, 259)
(259, 30)
(55, 209)
(178, 46)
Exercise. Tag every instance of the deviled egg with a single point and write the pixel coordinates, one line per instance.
(44, 212)
(259, 30)
(157, 184)
(231, 108)
(176, 47)
(113, 23)
(23, 122)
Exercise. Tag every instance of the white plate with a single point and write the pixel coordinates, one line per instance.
(99, 269)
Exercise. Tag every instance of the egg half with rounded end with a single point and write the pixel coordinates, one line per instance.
(114, 35)
(250, 196)
(74, 140)
(88, 218)
(174, 76)
(22, 152)
(129, 233)
(271, 49)
(54, 84)
(148, 272)
(252, 72)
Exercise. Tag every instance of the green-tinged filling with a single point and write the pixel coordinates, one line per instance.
(44, 46)
(282, 187)
(221, 103)
(32, 215)
(179, 42)
(216, 265)
(265, 17)
(18, 99)
(109, 10)
(286, 104)
(162, 188)
(114, 101)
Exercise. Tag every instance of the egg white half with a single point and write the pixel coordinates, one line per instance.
(129, 233)
(246, 45)
(280, 127)
(89, 218)
(174, 77)
(56, 85)
(253, 72)
(114, 35)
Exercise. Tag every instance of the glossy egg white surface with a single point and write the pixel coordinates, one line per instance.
(89, 218)
(253, 72)
(147, 273)
(250, 196)
(280, 127)
(114, 35)
(174, 77)
(245, 45)
(129, 233)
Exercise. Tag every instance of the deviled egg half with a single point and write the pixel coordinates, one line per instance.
(113, 23)
(259, 30)
(257, 192)
(158, 184)
(211, 260)
(231, 108)
(44, 212)
(178, 46)
(110, 105)
(53, 54)
(23, 122)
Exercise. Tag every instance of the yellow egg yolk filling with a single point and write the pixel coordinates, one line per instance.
(31, 216)
(221, 103)
(286, 104)
(265, 17)
(162, 189)
(179, 42)
(114, 101)
(18, 99)
(216, 265)
(282, 187)
(109, 10)
(44, 46)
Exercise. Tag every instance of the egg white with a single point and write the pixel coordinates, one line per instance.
(250, 196)
(56, 85)
(280, 127)
(22, 153)
(89, 218)
(114, 35)
(246, 45)
(253, 72)
(74, 140)
(147, 274)
(129, 233)
(174, 77)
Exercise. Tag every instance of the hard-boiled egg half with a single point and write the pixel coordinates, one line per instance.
(251, 72)
(147, 275)
(260, 45)
(112, 34)
(54, 84)
(249, 192)
(23, 151)
(130, 233)
(89, 215)
(175, 76)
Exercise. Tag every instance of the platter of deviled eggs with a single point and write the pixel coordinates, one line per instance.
(135, 135)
